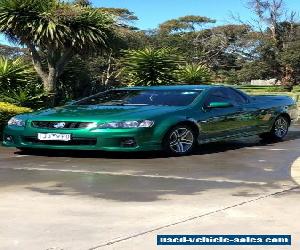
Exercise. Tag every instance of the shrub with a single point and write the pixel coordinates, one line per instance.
(15, 73)
(7, 111)
(19, 83)
(194, 74)
(150, 66)
(276, 89)
(25, 98)
(296, 88)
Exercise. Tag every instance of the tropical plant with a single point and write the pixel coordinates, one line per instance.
(15, 73)
(19, 83)
(151, 66)
(24, 97)
(194, 74)
(54, 31)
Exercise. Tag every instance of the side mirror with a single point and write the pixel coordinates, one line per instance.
(213, 105)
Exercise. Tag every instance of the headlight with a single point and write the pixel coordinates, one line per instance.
(16, 122)
(128, 124)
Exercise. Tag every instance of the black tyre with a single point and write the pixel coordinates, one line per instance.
(279, 130)
(180, 140)
(27, 150)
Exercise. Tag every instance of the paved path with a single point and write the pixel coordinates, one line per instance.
(97, 200)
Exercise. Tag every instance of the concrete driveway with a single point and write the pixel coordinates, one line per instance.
(97, 200)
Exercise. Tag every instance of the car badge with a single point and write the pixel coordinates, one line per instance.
(59, 125)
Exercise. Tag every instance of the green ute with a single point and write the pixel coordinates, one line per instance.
(171, 118)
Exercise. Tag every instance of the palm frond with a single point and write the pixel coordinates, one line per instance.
(151, 67)
(194, 74)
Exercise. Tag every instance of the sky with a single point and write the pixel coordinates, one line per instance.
(153, 12)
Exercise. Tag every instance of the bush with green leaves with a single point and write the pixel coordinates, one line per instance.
(296, 89)
(149, 66)
(194, 74)
(15, 73)
(19, 83)
(7, 111)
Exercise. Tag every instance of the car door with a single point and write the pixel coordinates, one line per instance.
(224, 122)
(247, 112)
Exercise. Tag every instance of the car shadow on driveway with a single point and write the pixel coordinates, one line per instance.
(151, 176)
(208, 148)
(119, 187)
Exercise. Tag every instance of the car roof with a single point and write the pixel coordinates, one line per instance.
(172, 87)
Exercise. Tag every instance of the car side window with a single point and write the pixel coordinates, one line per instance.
(236, 97)
(217, 95)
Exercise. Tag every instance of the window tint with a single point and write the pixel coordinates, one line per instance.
(236, 97)
(225, 95)
(142, 97)
(217, 95)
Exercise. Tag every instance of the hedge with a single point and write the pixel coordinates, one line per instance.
(7, 111)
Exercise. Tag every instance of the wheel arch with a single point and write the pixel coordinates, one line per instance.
(193, 124)
(285, 115)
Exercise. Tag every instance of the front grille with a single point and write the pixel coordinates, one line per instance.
(59, 124)
(74, 142)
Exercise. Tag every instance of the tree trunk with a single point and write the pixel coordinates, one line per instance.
(288, 78)
(55, 69)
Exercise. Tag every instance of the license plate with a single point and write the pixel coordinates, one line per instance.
(54, 137)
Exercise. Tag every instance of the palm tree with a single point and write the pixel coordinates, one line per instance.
(54, 31)
(151, 66)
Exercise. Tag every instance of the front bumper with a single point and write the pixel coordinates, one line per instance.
(82, 139)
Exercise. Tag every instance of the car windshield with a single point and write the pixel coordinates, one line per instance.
(142, 97)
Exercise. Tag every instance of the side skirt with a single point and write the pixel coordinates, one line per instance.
(229, 137)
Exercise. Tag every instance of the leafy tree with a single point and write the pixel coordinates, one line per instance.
(83, 3)
(150, 66)
(11, 52)
(76, 81)
(280, 32)
(123, 15)
(253, 70)
(194, 74)
(185, 23)
(289, 57)
(54, 32)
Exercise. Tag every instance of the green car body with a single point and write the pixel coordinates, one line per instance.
(101, 127)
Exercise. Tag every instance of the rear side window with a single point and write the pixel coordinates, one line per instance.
(225, 95)
(236, 97)
(217, 95)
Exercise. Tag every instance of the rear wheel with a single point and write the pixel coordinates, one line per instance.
(180, 140)
(279, 130)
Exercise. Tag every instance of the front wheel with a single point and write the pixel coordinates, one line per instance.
(27, 150)
(279, 130)
(180, 140)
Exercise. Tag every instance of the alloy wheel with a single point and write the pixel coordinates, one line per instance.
(181, 140)
(281, 127)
